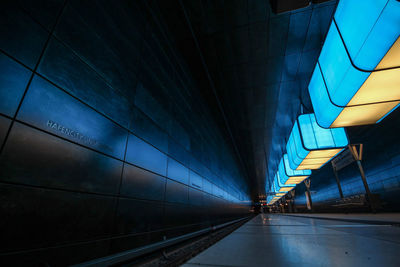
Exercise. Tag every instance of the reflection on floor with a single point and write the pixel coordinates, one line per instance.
(278, 240)
(393, 218)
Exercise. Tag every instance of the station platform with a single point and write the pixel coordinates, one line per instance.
(281, 240)
(378, 218)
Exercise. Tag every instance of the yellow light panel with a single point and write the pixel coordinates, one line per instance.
(312, 165)
(315, 159)
(309, 167)
(295, 179)
(296, 182)
(308, 161)
(286, 189)
(363, 115)
(380, 86)
(392, 57)
(326, 153)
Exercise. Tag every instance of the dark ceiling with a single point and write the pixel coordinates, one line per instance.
(253, 68)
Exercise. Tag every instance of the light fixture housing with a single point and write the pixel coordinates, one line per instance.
(310, 146)
(357, 76)
(280, 187)
(290, 176)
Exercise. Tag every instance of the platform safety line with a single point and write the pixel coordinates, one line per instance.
(371, 222)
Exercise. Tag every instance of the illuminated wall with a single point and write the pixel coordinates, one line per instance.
(105, 142)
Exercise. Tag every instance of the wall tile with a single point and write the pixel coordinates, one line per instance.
(37, 158)
(195, 197)
(21, 37)
(37, 217)
(13, 81)
(139, 183)
(49, 108)
(96, 37)
(146, 156)
(67, 70)
(4, 125)
(137, 216)
(177, 171)
(176, 192)
(196, 180)
(145, 128)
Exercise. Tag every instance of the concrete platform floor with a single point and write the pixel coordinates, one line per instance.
(279, 240)
(393, 218)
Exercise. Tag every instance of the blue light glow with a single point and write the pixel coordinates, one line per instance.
(286, 172)
(308, 136)
(368, 29)
(281, 181)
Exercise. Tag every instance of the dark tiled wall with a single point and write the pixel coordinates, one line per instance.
(105, 143)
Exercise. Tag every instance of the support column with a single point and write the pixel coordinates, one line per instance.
(358, 157)
(292, 194)
(307, 182)
(337, 181)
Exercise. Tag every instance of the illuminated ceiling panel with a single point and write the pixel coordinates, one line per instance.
(310, 146)
(357, 76)
(290, 176)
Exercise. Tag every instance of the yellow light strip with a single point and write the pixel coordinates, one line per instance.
(296, 180)
(316, 158)
(363, 115)
(286, 189)
(292, 181)
(326, 153)
(392, 57)
(310, 167)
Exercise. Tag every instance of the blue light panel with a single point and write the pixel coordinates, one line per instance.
(290, 172)
(311, 146)
(343, 90)
(288, 175)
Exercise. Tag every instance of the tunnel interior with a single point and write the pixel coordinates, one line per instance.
(128, 123)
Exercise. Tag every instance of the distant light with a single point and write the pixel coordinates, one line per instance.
(271, 200)
(357, 76)
(290, 176)
(310, 146)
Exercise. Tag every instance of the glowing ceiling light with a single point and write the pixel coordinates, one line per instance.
(279, 186)
(290, 176)
(357, 77)
(310, 146)
(271, 200)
